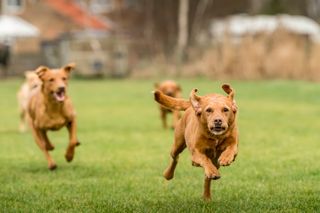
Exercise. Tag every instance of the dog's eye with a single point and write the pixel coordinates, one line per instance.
(64, 78)
(209, 110)
(225, 109)
(51, 79)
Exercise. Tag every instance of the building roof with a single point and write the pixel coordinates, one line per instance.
(77, 14)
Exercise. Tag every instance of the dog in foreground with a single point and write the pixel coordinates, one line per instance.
(208, 128)
(50, 108)
(172, 89)
(28, 88)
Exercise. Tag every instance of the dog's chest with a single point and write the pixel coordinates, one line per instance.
(51, 122)
(212, 143)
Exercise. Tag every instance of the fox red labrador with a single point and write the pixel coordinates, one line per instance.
(208, 128)
(51, 109)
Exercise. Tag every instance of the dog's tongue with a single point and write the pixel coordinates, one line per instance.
(59, 96)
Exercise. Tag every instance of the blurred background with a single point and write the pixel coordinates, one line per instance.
(244, 39)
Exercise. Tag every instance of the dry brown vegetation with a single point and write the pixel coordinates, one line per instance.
(280, 55)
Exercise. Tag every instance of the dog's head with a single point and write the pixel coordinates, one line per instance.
(55, 81)
(169, 88)
(32, 79)
(216, 112)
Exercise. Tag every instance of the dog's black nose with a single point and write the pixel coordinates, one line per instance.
(217, 122)
(61, 89)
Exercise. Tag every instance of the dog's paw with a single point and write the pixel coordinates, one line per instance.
(49, 147)
(226, 158)
(212, 174)
(52, 166)
(70, 151)
(195, 164)
(168, 174)
(69, 156)
(206, 197)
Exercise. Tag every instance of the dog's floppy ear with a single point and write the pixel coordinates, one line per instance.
(195, 101)
(40, 71)
(69, 67)
(228, 89)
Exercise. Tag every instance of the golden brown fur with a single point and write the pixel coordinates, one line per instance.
(51, 109)
(208, 128)
(29, 87)
(172, 89)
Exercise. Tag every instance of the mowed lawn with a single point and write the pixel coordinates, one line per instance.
(124, 150)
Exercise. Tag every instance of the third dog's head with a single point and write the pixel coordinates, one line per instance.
(169, 88)
(55, 81)
(215, 112)
(32, 80)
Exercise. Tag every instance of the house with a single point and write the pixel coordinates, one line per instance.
(54, 19)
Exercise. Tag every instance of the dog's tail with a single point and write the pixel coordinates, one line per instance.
(170, 102)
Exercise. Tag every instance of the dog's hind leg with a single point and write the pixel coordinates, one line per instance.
(206, 192)
(73, 141)
(176, 117)
(163, 115)
(22, 126)
(178, 146)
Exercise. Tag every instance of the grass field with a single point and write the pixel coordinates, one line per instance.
(118, 167)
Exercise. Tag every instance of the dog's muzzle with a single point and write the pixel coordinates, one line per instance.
(60, 94)
(217, 128)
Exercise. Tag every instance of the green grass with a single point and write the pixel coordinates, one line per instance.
(118, 167)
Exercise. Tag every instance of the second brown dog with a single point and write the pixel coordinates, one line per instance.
(51, 109)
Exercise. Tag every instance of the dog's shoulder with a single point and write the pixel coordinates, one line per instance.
(68, 108)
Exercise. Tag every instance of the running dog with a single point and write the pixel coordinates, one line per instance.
(208, 128)
(51, 109)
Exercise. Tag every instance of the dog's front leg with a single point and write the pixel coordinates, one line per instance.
(206, 190)
(39, 138)
(73, 141)
(210, 170)
(230, 152)
(48, 144)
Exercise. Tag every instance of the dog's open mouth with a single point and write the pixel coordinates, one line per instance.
(59, 95)
(217, 129)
